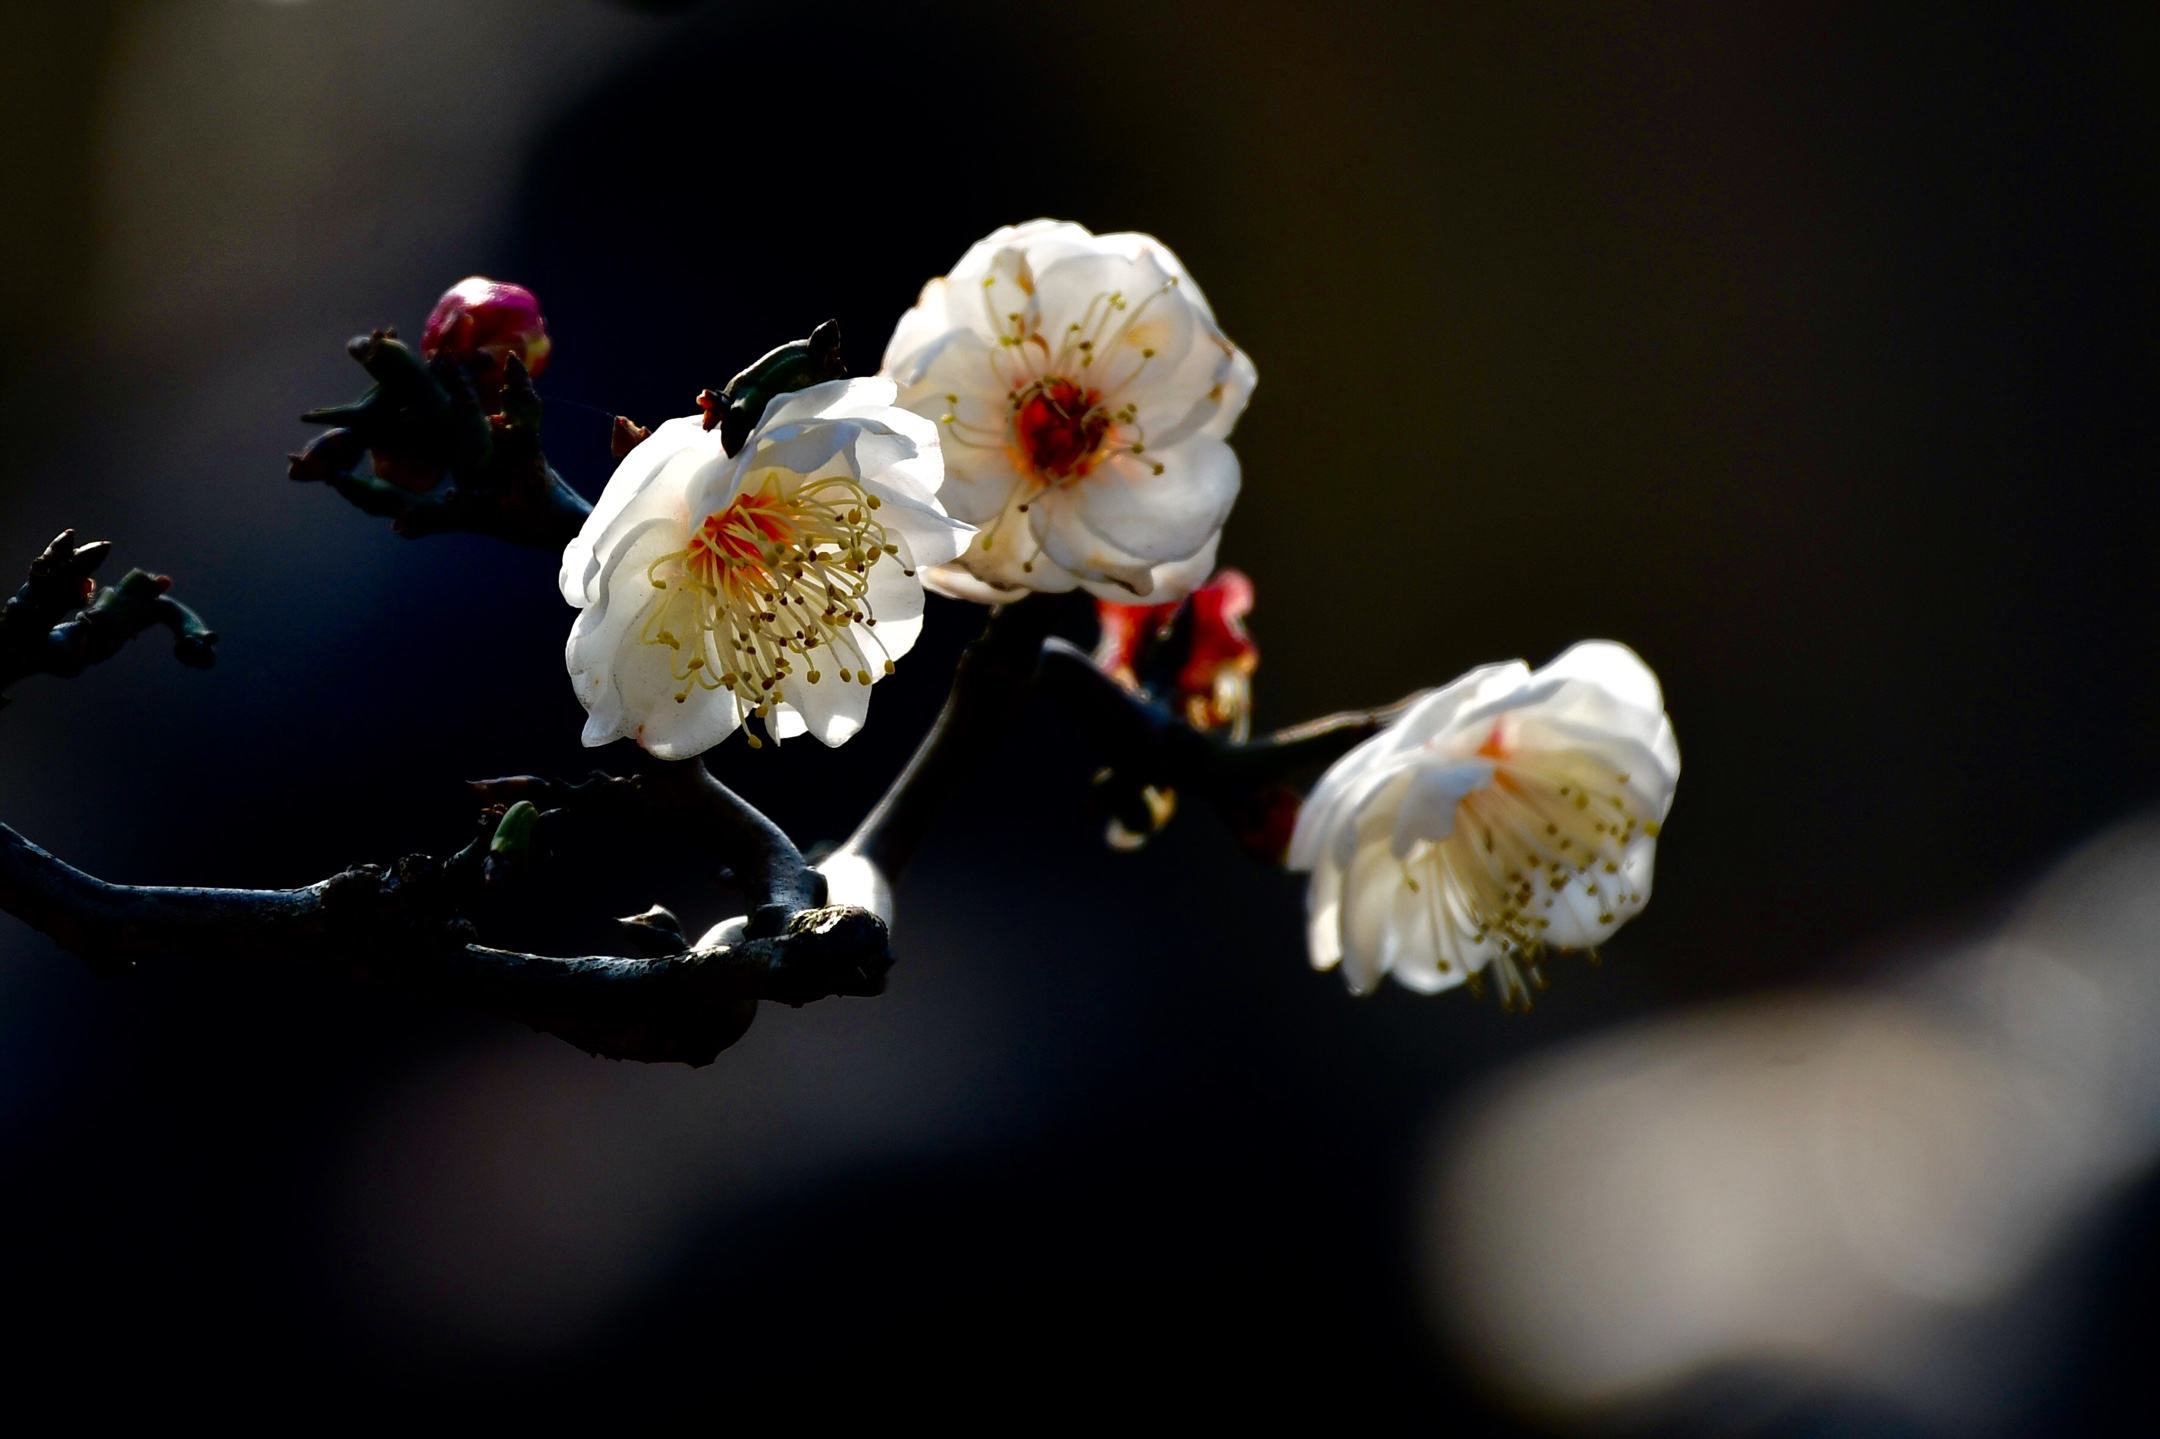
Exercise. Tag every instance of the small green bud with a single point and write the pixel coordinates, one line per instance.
(514, 832)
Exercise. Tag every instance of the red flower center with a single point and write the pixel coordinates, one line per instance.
(731, 545)
(1060, 427)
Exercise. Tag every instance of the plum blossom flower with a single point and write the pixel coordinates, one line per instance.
(1085, 393)
(1508, 813)
(780, 582)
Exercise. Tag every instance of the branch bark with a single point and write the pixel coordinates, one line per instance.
(410, 924)
(422, 449)
(396, 926)
(60, 622)
(990, 689)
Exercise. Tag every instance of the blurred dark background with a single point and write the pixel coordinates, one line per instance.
(1807, 349)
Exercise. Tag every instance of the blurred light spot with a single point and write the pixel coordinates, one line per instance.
(1853, 1187)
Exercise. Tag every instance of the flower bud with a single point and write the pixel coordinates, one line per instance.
(1196, 654)
(481, 323)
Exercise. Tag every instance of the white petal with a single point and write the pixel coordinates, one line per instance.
(956, 582)
(1370, 888)
(920, 327)
(600, 630)
(1323, 917)
(1007, 555)
(697, 724)
(1436, 714)
(1158, 515)
(1577, 918)
(931, 536)
(831, 711)
(1174, 580)
(958, 386)
(1056, 533)
(1335, 800)
(1428, 806)
(1148, 322)
(861, 398)
(652, 479)
(1043, 237)
(638, 703)
(896, 602)
(1649, 784)
(1612, 667)
(1234, 390)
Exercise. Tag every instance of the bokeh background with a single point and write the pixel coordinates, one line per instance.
(1808, 349)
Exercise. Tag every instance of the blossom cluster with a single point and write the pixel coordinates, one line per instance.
(1054, 414)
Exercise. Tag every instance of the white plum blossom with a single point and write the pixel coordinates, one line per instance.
(1507, 813)
(1085, 393)
(781, 581)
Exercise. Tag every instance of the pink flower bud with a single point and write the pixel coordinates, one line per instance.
(482, 322)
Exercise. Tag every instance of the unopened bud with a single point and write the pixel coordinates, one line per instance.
(516, 837)
(1195, 654)
(481, 323)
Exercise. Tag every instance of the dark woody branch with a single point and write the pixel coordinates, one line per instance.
(1144, 745)
(407, 925)
(60, 622)
(1150, 755)
(1150, 738)
(425, 449)
(990, 688)
(410, 924)
(759, 857)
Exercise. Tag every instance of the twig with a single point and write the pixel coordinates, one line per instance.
(1151, 755)
(60, 622)
(400, 926)
(767, 864)
(422, 449)
(990, 688)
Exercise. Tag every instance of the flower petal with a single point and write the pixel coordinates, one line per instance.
(956, 582)
(1428, 806)
(1159, 506)
(652, 479)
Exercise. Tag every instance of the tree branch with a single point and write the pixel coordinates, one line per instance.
(990, 688)
(437, 459)
(60, 622)
(411, 924)
(1148, 736)
(403, 926)
(1151, 755)
(760, 857)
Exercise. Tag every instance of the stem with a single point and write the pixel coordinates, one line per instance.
(990, 688)
(773, 872)
(1161, 748)
(60, 623)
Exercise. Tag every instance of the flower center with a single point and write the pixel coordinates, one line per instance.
(765, 584)
(1549, 828)
(1059, 427)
